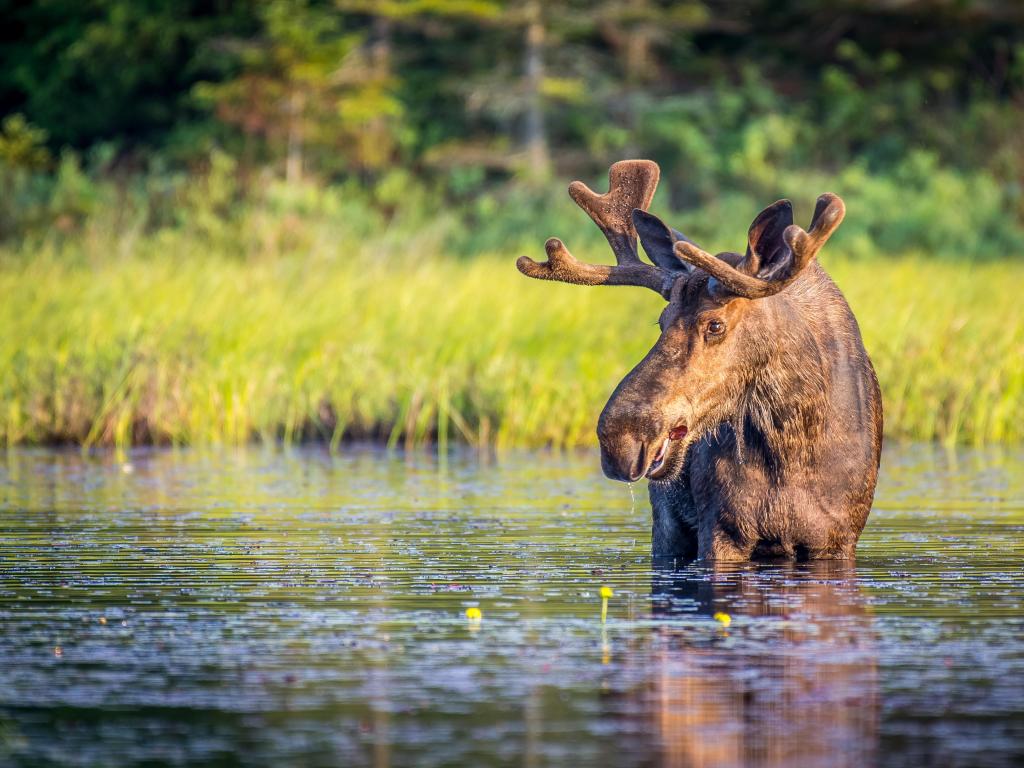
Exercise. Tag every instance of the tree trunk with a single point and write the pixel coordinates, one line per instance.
(379, 151)
(293, 160)
(537, 156)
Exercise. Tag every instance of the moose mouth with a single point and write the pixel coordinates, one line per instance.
(675, 434)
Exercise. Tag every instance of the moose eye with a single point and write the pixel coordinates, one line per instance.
(716, 328)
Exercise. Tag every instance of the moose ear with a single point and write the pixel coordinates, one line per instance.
(769, 256)
(658, 240)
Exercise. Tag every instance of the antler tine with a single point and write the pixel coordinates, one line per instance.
(631, 184)
(829, 211)
(737, 282)
(563, 267)
(828, 214)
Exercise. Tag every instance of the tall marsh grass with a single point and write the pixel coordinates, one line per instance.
(168, 339)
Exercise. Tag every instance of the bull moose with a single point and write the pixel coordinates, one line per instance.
(757, 415)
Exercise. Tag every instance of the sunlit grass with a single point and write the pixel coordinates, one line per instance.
(175, 343)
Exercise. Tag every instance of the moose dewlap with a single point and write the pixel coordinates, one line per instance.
(757, 415)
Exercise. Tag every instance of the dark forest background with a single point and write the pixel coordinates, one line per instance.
(472, 106)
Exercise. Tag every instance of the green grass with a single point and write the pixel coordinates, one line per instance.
(169, 341)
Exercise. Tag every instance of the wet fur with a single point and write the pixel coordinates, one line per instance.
(791, 471)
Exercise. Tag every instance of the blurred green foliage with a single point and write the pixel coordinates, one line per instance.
(474, 107)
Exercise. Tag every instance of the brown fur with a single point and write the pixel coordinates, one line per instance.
(761, 359)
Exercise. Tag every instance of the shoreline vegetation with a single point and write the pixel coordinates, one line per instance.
(317, 324)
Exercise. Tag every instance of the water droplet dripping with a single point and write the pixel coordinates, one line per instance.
(632, 498)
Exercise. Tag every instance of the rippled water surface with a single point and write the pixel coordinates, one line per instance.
(292, 608)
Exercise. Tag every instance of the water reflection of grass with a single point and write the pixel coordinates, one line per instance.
(192, 348)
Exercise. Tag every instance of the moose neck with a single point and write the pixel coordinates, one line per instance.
(787, 403)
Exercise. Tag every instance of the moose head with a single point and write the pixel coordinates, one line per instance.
(719, 330)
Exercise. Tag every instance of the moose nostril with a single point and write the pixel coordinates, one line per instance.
(639, 464)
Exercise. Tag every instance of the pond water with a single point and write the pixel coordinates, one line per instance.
(270, 607)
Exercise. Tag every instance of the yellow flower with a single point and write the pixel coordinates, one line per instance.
(606, 592)
(474, 614)
(723, 618)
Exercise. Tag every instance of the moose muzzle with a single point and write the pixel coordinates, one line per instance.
(632, 440)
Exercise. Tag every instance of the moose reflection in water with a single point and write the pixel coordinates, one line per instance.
(791, 681)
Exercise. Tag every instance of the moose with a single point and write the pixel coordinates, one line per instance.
(756, 416)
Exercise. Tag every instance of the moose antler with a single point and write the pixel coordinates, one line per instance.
(828, 213)
(631, 184)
